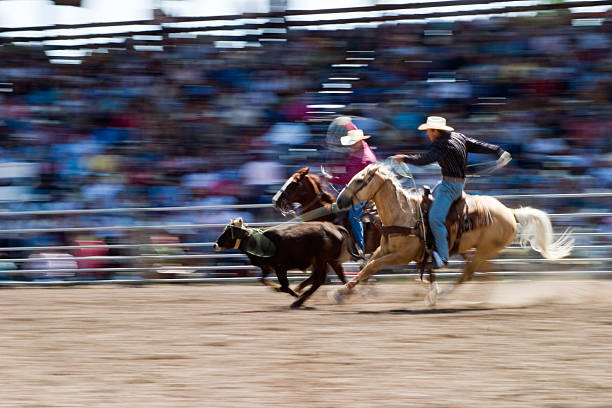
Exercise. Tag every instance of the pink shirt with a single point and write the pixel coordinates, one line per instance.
(355, 162)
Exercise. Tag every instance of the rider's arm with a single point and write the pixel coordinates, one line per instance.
(351, 167)
(476, 146)
(434, 154)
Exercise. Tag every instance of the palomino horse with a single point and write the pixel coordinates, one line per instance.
(308, 190)
(401, 209)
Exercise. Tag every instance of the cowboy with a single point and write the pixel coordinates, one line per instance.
(450, 150)
(360, 156)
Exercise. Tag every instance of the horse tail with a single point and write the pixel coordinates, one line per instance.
(535, 230)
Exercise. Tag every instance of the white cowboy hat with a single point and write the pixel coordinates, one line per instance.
(435, 122)
(352, 137)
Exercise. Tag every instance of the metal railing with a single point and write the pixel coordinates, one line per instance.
(146, 262)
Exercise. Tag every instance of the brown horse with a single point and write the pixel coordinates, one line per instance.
(308, 190)
(401, 210)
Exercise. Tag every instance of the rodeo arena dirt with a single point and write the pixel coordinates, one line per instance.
(506, 344)
(180, 196)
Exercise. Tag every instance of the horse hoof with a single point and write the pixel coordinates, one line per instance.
(335, 296)
(433, 294)
(295, 305)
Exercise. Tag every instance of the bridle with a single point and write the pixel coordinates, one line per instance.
(359, 184)
(292, 185)
(281, 194)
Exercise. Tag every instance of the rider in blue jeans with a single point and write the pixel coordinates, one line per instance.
(360, 156)
(450, 150)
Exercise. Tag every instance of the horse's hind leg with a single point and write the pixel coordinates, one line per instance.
(478, 261)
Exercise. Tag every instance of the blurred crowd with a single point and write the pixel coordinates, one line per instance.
(199, 124)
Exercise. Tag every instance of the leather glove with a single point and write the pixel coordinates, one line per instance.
(503, 160)
(399, 158)
(325, 173)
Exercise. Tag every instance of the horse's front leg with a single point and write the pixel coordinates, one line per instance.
(434, 289)
(375, 263)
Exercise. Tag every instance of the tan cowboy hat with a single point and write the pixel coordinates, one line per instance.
(435, 122)
(352, 137)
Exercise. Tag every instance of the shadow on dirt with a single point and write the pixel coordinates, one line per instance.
(424, 311)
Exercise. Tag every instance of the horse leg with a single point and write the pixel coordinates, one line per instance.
(377, 262)
(284, 281)
(363, 274)
(480, 259)
(319, 272)
(477, 261)
(434, 289)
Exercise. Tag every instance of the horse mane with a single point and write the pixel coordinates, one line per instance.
(326, 194)
(403, 195)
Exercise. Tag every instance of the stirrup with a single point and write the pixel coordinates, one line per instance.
(359, 255)
(436, 261)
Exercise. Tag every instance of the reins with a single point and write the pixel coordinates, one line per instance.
(308, 216)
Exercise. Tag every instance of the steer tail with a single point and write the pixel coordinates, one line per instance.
(348, 242)
(535, 230)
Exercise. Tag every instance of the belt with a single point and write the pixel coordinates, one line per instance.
(453, 179)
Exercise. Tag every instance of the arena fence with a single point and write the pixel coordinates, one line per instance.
(59, 264)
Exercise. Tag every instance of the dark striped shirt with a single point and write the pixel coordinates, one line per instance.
(451, 153)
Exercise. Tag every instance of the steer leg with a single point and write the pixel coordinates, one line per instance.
(265, 272)
(319, 273)
(284, 282)
(282, 278)
(339, 269)
(304, 283)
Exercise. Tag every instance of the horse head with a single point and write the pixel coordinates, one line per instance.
(301, 188)
(232, 235)
(362, 187)
(378, 183)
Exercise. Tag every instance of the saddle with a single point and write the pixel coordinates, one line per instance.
(369, 219)
(465, 214)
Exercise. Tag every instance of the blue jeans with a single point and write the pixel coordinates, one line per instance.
(444, 194)
(354, 216)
